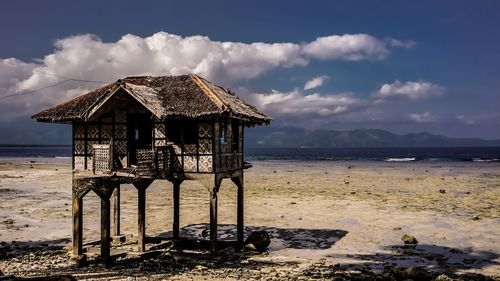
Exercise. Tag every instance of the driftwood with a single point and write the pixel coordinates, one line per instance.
(43, 278)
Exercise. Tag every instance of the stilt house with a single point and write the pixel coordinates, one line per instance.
(139, 129)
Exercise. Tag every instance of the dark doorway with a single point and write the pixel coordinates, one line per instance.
(140, 133)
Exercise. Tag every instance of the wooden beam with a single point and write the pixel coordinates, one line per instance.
(105, 229)
(77, 226)
(213, 221)
(141, 213)
(141, 219)
(116, 211)
(176, 195)
(79, 190)
(240, 213)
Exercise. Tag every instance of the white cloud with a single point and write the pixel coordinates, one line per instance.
(346, 47)
(466, 120)
(402, 44)
(425, 117)
(297, 104)
(13, 71)
(411, 89)
(87, 57)
(315, 82)
(479, 118)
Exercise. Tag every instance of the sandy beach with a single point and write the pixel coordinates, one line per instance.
(324, 218)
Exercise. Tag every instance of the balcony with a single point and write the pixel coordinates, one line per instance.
(158, 163)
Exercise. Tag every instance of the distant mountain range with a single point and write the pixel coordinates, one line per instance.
(297, 137)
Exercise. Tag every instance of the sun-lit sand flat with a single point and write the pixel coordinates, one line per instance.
(347, 216)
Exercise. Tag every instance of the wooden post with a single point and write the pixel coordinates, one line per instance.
(105, 229)
(213, 221)
(141, 219)
(116, 211)
(239, 211)
(141, 186)
(176, 195)
(240, 214)
(77, 225)
(79, 190)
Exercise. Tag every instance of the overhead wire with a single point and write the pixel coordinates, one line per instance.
(55, 74)
(66, 79)
(33, 91)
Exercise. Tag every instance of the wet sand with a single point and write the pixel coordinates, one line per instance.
(317, 213)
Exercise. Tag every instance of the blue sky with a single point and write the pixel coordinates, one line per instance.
(404, 66)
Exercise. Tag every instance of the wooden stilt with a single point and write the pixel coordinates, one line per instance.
(240, 212)
(116, 211)
(213, 221)
(77, 226)
(79, 190)
(141, 219)
(176, 195)
(105, 229)
(141, 213)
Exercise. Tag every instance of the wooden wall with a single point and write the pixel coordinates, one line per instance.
(112, 125)
(193, 157)
(226, 158)
(207, 154)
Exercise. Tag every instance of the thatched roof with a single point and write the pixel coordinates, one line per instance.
(184, 96)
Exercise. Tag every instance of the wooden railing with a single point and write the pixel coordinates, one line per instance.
(161, 162)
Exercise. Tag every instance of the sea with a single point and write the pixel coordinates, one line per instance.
(386, 154)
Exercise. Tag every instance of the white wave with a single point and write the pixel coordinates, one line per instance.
(484, 160)
(407, 159)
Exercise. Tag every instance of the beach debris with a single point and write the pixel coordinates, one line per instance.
(40, 278)
(443, 277)
(9, 223)
(413, 273)
(476, 218)
(409, 240)
(258, 241)
(10, 177)
(397, 228)
(442, 191)
(470, 261)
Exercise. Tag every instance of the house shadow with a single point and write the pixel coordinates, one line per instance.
(172, 264)
(395, 262)
(281, 238)
(8, 250)
(294, 238)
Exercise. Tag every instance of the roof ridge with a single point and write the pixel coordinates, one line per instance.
(208, 92)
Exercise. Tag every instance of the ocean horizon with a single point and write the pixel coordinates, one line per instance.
(386, 154)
